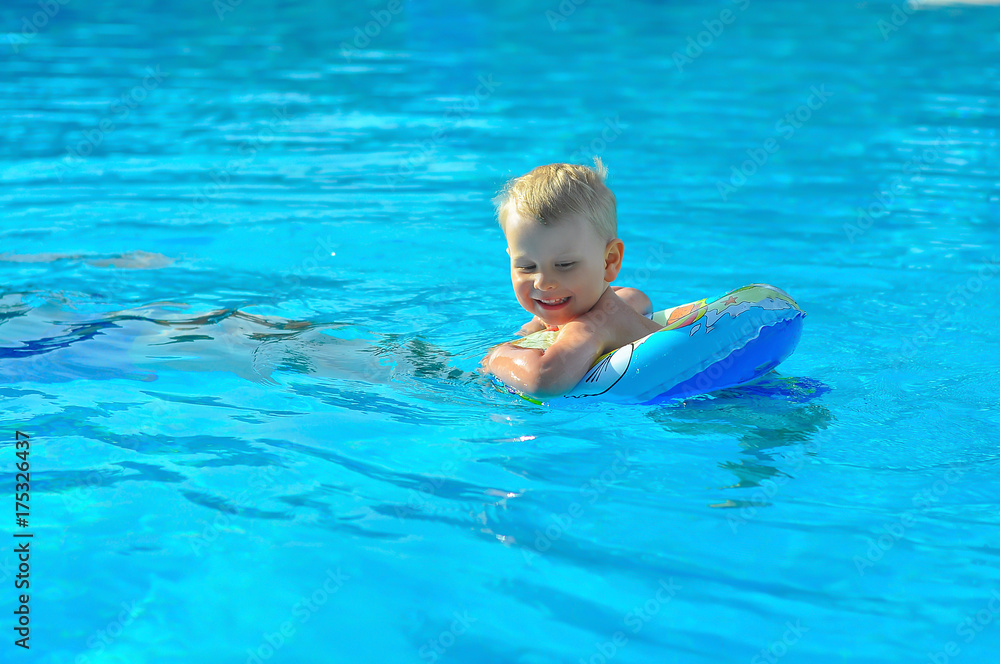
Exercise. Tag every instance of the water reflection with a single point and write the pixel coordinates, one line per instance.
(775, 413)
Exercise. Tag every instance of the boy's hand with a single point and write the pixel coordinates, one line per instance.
(484, 364)
(532, 326)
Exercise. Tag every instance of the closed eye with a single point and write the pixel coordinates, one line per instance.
(531, 268)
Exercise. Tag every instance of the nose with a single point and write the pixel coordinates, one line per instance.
(544, 281)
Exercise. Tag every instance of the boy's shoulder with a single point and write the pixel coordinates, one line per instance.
(580, 327)
(611, 326)
(588, 334)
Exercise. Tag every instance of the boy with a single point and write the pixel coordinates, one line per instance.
(561, 228)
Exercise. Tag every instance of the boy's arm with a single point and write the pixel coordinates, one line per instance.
(548, 373)
(515, 366)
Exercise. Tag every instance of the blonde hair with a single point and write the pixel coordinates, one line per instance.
(553, 191)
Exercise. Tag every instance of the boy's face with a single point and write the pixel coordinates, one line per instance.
(565, 261)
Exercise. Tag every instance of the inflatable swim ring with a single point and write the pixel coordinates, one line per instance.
(704, 346)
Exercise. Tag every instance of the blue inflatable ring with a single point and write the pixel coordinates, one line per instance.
(704, 346)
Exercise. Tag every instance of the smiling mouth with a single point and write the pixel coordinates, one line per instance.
(552, 304)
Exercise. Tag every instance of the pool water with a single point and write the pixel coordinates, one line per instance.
(249, 265)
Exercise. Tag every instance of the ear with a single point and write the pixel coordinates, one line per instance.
(613, 254)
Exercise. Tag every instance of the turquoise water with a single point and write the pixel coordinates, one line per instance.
(247, 275)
